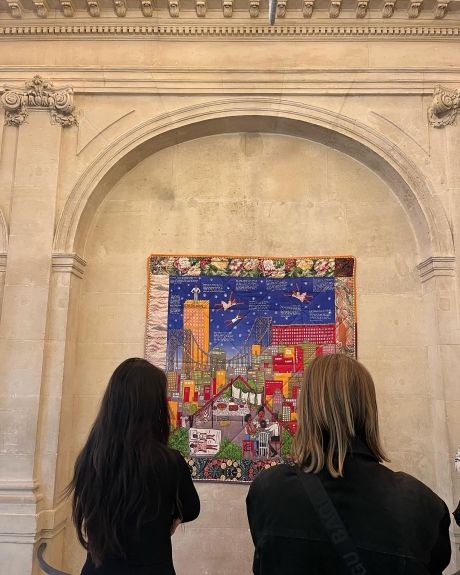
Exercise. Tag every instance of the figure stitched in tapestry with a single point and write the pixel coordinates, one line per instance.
(234, 335)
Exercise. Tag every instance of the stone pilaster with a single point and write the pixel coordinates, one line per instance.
(23, 327)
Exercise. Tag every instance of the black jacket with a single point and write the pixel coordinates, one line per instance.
(399, 526)
(149, 549)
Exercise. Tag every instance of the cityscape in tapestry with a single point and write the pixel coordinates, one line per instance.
(234, 336)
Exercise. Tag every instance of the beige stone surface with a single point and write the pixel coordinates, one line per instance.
(237, 145)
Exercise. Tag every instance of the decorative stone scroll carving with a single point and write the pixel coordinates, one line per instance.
(307, 8)
(173, 6)
(227, 8)
(93, 8)
(67, 8)
(38, 94)
(444, 108)
(120, 8)
(440, 10)
(41, 8)
(414, 8)
(388, 9)
(361, 8)
(201, 7)
(281, 8)
(15, 8)
(254, 8)
(334, 8)
(437, 266)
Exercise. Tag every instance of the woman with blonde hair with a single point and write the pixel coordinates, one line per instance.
(339, 510)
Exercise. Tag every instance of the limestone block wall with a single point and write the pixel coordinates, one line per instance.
(256, 194)
(248, 143)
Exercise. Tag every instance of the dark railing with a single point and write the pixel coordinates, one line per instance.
(44, 565)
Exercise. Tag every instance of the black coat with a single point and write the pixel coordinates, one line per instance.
(149, 548)
(399, 526)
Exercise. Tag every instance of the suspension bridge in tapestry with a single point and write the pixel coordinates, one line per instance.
(234, 336)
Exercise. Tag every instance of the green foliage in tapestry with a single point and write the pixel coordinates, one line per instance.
(179, 440)
(286, 443)
(229, 450)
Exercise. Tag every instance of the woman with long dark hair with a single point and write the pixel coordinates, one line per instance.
(130, 490)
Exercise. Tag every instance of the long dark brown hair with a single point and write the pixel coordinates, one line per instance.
(114, 481)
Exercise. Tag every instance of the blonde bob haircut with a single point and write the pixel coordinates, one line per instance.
(336, 403)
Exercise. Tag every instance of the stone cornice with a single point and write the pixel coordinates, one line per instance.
(68, 263)
(437, 266)
(297, 30)
(251, 10)
(39, 94)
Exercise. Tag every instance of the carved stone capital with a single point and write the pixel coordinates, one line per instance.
(437, 266)
(334, 8)
(227, 8)
(388, 9)
(38, 94)
(120, 8)
(67, 8)
(444, 107)
(254, 8)
(440, 9)
(68, 263)
(361, 8)
(307, 8)
(414, 8)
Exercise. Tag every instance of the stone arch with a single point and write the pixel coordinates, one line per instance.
(262, 114)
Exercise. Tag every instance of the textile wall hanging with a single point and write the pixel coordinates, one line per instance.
(234, 335)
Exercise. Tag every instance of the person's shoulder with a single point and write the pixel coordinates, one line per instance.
(417, 491)
(272, 476)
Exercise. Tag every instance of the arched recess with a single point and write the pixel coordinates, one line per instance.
(268, 115)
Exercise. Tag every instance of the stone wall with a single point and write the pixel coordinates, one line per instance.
(256, 194)
(239, 143)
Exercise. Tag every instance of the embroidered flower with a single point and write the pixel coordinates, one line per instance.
(305, 264)
(323, 266)
(251, 264)
(235, 265)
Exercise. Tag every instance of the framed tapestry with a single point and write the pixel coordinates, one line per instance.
(234, 335)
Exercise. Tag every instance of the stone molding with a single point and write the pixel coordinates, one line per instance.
(135, 81)
(444, 108)
(237, 31)
(439, 266)
(68, 263)
(39, 94)
(19, 491)
(3, 257)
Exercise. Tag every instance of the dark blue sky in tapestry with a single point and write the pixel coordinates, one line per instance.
(235, 303)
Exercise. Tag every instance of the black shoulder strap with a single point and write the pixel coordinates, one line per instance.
(332, 523)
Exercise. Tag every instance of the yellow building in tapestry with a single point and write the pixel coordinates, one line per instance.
(196, 319)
